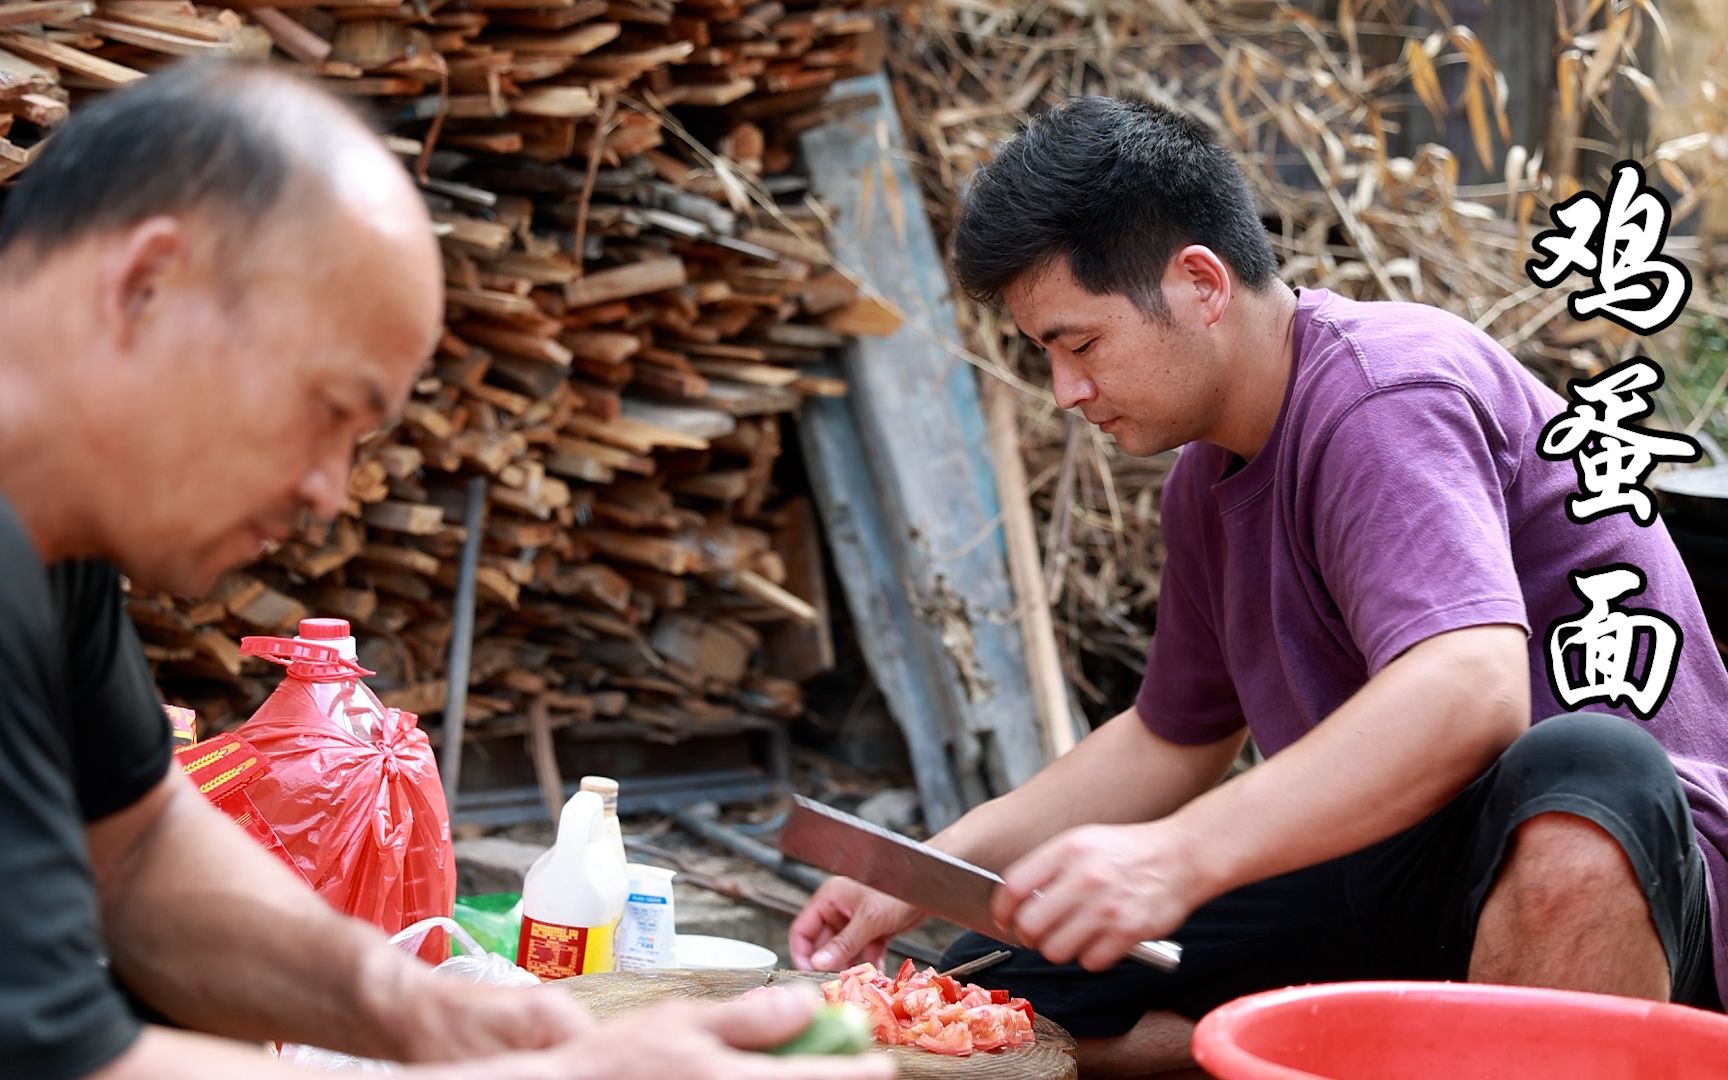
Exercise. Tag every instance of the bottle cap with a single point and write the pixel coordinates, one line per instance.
(603, 786)
(324, 629)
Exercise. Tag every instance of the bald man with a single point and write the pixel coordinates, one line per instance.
(212, 284)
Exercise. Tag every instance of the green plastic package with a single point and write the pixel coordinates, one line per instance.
(494, 920)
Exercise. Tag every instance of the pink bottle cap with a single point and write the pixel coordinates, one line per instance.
(324, 629)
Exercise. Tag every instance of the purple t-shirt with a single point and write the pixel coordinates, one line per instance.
(1400, 496)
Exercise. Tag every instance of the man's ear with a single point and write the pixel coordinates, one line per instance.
(1199, 271)
(137, 266)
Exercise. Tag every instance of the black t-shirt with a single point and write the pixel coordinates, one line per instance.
(82, 735)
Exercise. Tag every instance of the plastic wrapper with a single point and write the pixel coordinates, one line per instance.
(362, 817)
(473, 964)
(494, 919)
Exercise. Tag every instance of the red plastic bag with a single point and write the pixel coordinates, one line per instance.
(353, 792)
(223, 768)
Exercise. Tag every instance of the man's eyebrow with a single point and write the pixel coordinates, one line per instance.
(1060, 330)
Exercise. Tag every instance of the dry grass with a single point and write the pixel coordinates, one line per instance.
(1282, 86)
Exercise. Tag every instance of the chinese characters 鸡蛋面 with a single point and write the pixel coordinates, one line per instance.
(1608, 653)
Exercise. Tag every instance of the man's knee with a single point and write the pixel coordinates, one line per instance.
(1595, 755)
(1559, 862)
(1592, 807)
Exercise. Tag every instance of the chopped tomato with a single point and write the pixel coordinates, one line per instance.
(935, 1012)
(880, 1008)
(954, 1040)
(951, 991)
(921, 1002)
(991, 1030)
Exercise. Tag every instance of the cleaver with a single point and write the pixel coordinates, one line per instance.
(916, 873)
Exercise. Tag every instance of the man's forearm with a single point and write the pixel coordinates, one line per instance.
(1120, 773)
(210, 929)
(163, 1054)
(1400, 749)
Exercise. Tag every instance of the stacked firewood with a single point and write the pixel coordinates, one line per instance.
(636, 288)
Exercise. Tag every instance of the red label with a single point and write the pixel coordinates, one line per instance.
(552, 951)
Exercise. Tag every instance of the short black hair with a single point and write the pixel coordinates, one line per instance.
(1117, 186)
(188, 137)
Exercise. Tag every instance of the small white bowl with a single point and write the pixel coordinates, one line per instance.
(703, 953)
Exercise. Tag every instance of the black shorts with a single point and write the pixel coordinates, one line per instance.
(1406, 908)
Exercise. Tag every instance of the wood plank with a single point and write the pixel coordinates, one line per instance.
(578, 42)
(173, 18)
(516, 343)
(409, 518)
(293, 37)
(604, 346)
(158, 40)
(693, 423)
(925, 436)
(404, 558)
(572, 102)
(550, 16)
(623, 282)
(1060, 728)
(41, 109)
(37, 12)
(634, 435)
(666, 554)
(102, 72)
(801, 650)
(747, 372)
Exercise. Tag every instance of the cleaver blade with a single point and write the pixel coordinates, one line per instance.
(920, 875)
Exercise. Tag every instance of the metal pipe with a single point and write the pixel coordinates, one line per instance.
(701, 821)
(462, 641)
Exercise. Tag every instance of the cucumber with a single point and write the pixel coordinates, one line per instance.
(835, 1029)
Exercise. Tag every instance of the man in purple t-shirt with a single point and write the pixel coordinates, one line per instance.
(1366, 557)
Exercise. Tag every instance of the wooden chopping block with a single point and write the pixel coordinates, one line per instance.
(618, 992)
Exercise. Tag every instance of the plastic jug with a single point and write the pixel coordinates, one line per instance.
(352, 789)
(573, 897)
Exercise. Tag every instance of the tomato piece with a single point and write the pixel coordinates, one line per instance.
(991, 1029)
(1000, 997)
(1024, 1006)
(951, 991)
(955, 1040)
(921, 1002)
(907, 967)
(976, 996)
(884, 1025)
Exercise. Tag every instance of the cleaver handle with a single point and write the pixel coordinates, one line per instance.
(1163, 955)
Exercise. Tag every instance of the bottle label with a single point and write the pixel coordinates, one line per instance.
(552, 951)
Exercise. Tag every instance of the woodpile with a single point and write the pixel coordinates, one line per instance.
(631, 319)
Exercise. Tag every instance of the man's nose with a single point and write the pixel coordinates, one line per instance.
(323, 486)
(1071, 387)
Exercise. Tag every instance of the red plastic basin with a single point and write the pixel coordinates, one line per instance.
(1385, 1030)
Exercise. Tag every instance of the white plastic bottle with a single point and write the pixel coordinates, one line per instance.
(573, 897)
